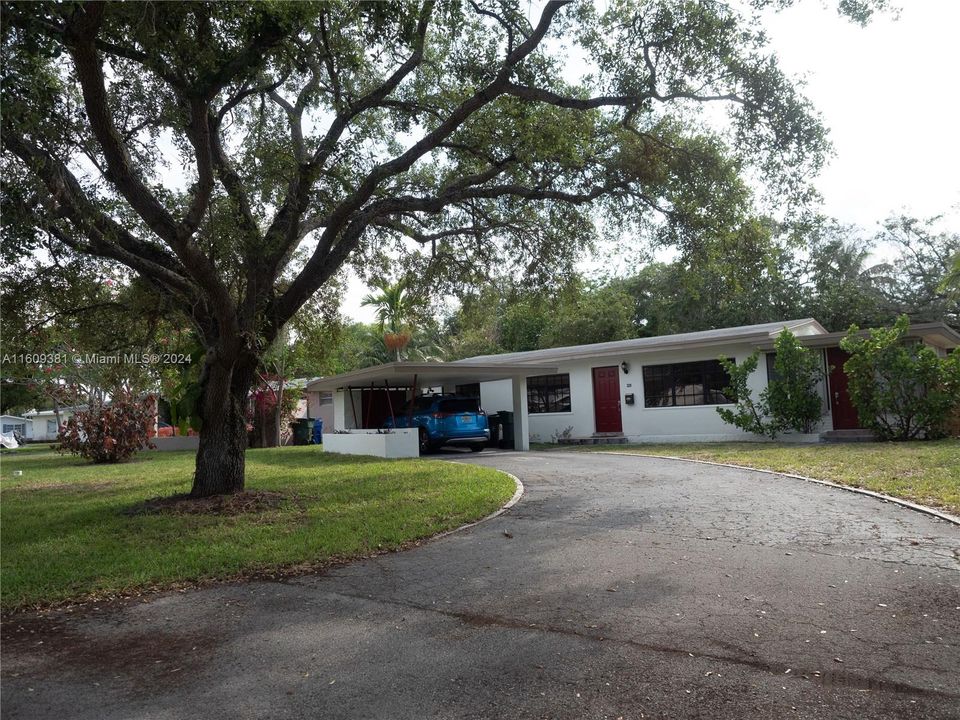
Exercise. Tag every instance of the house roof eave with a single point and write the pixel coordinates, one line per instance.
(402, 374)
(747, 334)
(939, 332)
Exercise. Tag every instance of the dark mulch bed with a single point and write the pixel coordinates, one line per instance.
(235, 504)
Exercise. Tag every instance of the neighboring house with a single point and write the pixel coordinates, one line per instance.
(316, 404)
(15, 423)
(309, 405)
(319, 405)
(657, 389)
(43, 423)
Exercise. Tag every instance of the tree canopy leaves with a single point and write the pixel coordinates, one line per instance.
(452, 125)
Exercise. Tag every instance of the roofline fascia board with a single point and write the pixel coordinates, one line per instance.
(574, 352)
(429, 372)
(920, 330)
(746, 340)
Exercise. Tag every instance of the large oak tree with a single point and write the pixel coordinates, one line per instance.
(202, 144)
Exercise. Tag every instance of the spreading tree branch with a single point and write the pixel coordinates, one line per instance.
(346, 215)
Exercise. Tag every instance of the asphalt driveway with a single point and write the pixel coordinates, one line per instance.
(619, 587)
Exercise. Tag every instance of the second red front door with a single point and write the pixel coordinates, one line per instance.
(606, 399)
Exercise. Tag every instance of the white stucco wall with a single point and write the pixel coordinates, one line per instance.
(640, 424)
(342, 410)
(496, 396)
(38, 423)
(314, 408)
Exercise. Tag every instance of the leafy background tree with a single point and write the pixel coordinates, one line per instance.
(915, 284)
(74, 310)
(516, 318)
(811, 268)
(395, 308)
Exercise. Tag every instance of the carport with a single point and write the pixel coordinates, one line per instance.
(361, 397)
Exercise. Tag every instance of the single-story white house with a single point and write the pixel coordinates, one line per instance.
(42, 425)
(655, 389)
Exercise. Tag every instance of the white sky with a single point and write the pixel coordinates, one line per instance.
(888, 94)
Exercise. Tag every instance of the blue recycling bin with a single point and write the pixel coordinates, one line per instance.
(317, 438)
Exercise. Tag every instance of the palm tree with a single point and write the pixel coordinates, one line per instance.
(394, 307)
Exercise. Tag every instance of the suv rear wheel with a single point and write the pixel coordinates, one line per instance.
(425, 445)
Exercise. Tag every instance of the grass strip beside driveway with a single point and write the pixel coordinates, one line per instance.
(923, 472)
(68, 533)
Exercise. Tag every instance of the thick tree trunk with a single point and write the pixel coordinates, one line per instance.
(223, 434)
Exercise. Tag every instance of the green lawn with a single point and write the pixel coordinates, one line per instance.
(924, 472)
(67, 532)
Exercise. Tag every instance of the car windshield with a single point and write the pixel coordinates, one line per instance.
(459, 405)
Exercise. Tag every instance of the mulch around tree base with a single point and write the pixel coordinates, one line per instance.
(235, 504)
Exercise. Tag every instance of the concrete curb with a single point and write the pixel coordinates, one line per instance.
(939, 514)
(517, 494)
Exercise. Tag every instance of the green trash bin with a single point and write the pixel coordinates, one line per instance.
(506, 430)
(301, 431)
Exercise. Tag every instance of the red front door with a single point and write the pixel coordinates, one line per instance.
(844, 413)
(606, 399)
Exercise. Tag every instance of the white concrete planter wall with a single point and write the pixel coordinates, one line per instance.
(400, 443)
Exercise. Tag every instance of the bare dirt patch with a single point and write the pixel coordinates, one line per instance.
(237, 504)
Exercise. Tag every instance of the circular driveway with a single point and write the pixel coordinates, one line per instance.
(618, 587)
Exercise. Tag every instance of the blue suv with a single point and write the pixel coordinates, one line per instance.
(445, 420)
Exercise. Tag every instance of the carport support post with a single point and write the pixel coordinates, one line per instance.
(366, 419)
(386, 387)
(413, 399)
(356, 423)
(521, 424)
